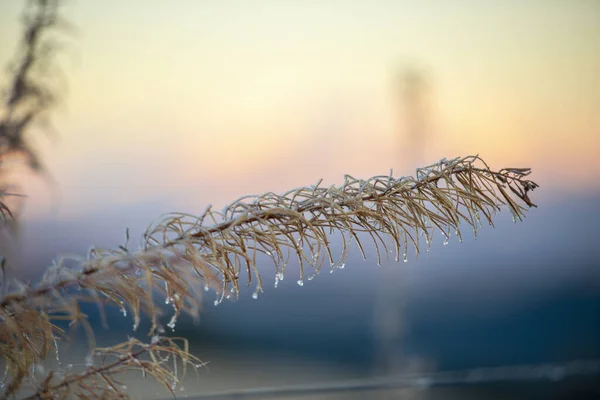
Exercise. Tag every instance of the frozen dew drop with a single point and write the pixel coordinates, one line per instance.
(300, 282)
(89, 360)
(136, 322)
(56, 352)
(172, 322)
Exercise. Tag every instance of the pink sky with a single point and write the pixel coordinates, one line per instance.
(165, 101)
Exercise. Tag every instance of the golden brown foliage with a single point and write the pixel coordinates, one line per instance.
(182, 255)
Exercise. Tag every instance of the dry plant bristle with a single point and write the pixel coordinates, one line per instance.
(182, 255)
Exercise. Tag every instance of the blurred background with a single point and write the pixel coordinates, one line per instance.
(170, 106)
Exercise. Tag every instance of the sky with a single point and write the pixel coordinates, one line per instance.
(194, 102)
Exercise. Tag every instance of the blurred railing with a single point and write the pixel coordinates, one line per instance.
(521, 373)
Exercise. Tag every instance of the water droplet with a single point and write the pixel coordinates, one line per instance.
(89, 360)
(124, 311)
(206, 288)
(342, 266)
(167, 300)
(56, 350)
(446, 241)
(172, 322)
(216, 303)
(155, 339)
(276, 283)
(404, 257)
(279, 276)
(255, 295)
(311, 277)
(300, 282)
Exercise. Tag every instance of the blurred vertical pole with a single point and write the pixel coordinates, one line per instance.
(391, 297)
(413, 93)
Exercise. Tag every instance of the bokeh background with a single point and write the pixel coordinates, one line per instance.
(171, 106)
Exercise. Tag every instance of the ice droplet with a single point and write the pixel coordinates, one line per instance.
(56, 350)
(300, 282)
(172, 322)
(89, 360)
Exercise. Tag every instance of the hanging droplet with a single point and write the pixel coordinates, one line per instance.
(405, 257)
(124, 311)
(255, 295)
(172, 322)
(300, 282)
(89, 360)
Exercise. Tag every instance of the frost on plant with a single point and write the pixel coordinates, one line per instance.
(182, 255)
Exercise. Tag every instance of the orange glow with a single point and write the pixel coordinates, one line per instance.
(263, 97)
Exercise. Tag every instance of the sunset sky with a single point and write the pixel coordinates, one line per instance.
(192, 102)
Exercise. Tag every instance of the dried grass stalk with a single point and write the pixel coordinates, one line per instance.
(182, 255)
